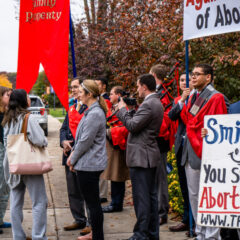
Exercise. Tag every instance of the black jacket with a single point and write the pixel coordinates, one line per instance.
(65, 133)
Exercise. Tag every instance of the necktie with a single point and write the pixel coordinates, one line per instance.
(78, 106)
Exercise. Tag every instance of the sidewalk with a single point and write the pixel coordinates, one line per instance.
(117, 226)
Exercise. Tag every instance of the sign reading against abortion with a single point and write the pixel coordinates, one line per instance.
(43, 38)
(210, 17)
(219, 193)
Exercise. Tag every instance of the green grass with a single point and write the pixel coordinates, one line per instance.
(58, 112)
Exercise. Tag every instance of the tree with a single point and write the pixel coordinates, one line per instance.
(131, 36)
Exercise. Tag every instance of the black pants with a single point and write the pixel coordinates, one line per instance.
(183, 186)
(76, 201)
(117, 194)
(144, 189)
(89, 184)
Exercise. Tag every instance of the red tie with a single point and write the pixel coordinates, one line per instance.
(197, 95)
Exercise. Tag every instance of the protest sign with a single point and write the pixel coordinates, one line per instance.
(210, 17)
(44, 38)
(219, 192)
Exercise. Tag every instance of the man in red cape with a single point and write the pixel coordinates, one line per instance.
(160, 72)
(117, 171)
(205, 101)
(67, 136)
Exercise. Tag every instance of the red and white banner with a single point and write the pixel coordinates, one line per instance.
(44, 38)
(210, 17)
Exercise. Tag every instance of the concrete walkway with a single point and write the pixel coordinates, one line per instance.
(117, 226)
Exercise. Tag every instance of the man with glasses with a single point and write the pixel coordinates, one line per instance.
(205, 101)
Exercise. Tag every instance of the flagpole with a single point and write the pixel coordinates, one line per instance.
(72, 47)
(187, 86)
(187, 63)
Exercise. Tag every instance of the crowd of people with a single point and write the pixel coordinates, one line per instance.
(109, 138)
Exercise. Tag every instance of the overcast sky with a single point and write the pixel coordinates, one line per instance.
(9, 32)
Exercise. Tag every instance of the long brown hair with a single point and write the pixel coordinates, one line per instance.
(92, 87)
(18, 105)
(3, 90)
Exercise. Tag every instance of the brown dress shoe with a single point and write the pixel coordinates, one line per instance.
(179, 228)
(85, 230)
(28, 238)
(74, 226)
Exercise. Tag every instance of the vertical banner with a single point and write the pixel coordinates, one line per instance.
(209, 17)
(44, 38)
(219, 193)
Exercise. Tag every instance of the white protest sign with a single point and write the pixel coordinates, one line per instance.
(210, 17)
(219, 192)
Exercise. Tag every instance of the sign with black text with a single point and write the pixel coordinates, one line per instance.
(219, 192)
(210, 17)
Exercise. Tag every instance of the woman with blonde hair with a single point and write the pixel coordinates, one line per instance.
(89, 157)
(4, 190)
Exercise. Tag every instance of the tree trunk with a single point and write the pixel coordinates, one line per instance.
(93, 12)
(87, 12)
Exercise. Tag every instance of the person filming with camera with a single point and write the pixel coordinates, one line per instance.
(142, 156)
(117, 170)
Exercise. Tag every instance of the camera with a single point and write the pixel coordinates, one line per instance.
(128, 99)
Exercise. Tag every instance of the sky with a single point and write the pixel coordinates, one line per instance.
(9, 31)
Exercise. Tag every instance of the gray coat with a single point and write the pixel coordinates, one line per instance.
(144, 126)
(35, 135)
(89, 151)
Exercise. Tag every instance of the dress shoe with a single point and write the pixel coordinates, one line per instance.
(179, 228)
(75, 226)
(28, 238)
(162, 221)
(193, 234)
(6, 225)
(85, 230)
(1, 231)
(110, 209)
(103, 200)
(86, 237)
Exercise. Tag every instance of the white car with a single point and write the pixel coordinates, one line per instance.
(39, 111)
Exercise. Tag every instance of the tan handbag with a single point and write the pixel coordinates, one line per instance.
(25, 158)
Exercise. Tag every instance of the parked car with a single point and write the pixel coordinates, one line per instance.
(39, 111)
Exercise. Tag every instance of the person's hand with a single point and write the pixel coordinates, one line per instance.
(204, 132)
(69, 163)
(121, 104)
(66, 146)
(185, 94)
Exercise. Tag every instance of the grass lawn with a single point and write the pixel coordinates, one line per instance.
(58, 113)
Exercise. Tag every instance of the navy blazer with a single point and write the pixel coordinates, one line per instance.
(174, 115)
(65, 133)
(234, 108)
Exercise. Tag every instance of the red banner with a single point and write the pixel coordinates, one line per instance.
(43, 38)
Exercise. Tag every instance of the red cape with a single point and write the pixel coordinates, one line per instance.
(215, 105)
(119, 133)
(74, 117)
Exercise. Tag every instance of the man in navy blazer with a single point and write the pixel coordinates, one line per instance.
(76, 201)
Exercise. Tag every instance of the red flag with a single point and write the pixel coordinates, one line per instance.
(43, 38)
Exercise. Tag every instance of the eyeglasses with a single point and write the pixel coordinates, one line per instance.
(197, 74)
